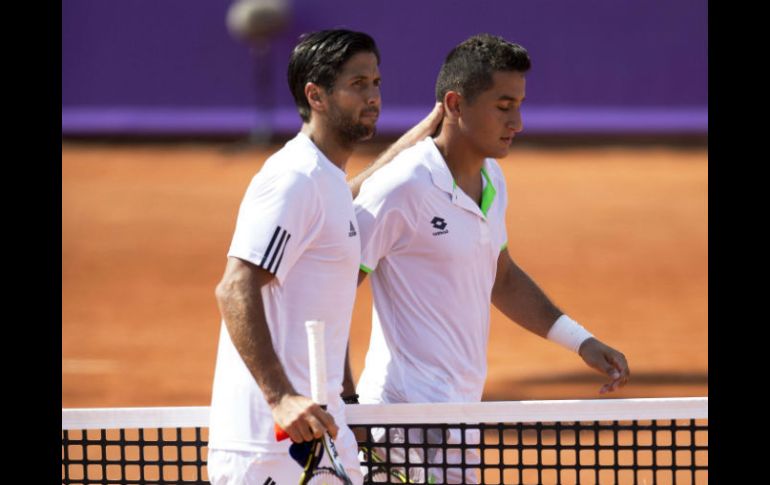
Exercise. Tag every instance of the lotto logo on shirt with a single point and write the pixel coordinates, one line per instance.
(440, 224)
(352, 230)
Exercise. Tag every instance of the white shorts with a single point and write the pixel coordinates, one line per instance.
(227, 467)
(436, 456)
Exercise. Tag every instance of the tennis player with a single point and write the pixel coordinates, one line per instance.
(434, 239)
(294, 257)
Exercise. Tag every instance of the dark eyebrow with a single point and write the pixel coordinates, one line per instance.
(508, 98)
(356, 77)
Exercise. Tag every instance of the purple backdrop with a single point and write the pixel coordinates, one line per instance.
(171, 67)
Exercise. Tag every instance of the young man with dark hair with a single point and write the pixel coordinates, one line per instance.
(294, 257)
(433, 237)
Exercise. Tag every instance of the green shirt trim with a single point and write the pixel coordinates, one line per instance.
(365, 269)
(488, 196)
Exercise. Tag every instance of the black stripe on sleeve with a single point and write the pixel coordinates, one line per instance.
(278, 264)
(277, 250)
(269, 247)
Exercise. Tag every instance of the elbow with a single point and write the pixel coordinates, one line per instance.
(224, 292)
(240, 283)
(234, 288)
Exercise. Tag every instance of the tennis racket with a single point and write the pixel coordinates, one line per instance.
(313, 472)
(380, 474)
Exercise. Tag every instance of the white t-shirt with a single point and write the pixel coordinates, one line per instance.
(432, 253)
(296, 221)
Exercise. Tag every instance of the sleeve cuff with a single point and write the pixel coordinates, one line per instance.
(365, 269)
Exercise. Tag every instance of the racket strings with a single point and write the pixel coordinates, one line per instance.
(325, 476)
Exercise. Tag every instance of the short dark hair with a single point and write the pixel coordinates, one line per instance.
(468, 68)
(318, 58)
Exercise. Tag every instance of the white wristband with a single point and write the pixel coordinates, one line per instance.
(568, 333)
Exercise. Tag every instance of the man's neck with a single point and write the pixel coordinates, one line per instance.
(328, 142)
(463, 162)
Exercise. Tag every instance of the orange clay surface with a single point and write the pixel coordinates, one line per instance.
(616, 236)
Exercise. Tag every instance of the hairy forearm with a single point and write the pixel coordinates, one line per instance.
(243, 311)
(425, 127)
(519, 298)
(383, 159)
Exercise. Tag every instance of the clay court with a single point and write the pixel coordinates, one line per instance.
(616, 235)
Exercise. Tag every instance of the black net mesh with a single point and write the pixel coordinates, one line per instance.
(639, 452)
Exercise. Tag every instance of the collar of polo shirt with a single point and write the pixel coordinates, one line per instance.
(442, 178)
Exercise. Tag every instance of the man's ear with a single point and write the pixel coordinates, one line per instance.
(452, 104)
(315, 97)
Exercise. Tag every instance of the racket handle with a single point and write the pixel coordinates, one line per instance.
(316, 360)
(280, 434)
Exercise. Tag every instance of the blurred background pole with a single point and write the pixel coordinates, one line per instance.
(258, 22)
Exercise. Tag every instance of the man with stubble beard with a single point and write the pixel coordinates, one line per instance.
(294, 257)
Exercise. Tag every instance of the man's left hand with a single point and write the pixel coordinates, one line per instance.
(606, 360)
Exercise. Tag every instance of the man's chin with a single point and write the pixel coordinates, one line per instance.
(502, 152)
(357, 133)
(367, 133)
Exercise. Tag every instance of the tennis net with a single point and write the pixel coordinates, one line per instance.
(607, 441)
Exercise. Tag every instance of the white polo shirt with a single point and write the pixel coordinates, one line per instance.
(296, 221)
(432, 253)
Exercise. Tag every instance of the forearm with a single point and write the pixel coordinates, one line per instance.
(244, 316)
(425, 127)
(348, 385)
(519, 298)
(355, 182)
(385, 157)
